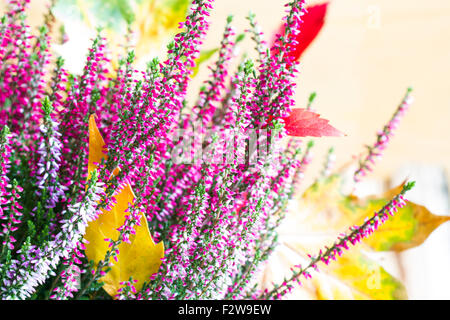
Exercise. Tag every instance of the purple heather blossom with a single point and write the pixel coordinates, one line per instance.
(383, 138)
(48, 165)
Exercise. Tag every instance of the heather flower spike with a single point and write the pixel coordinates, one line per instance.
(383, 138)
(313, 22)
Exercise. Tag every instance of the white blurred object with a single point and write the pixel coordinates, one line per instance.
(74, 51)
(426, 268)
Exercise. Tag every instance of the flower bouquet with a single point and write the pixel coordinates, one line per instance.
(113, 186)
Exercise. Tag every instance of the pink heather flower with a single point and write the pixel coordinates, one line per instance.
(383, 138)
(11, 215)
(5, 153)
(10, 209)
(70, 277)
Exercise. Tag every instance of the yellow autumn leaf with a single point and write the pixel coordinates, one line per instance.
(138, 259)
(324, 207)
(323, 212)
(351, 276)
(356, 277)
(366, 277)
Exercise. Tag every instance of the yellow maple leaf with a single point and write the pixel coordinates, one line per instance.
(324, 207)
(409, 228)
(138, 259)
(324, 212)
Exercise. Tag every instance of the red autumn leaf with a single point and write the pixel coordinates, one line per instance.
(304, 123)
(242, 205)
(313, 21)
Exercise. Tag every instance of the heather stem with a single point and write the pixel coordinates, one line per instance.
(383, 138)
(355, 236)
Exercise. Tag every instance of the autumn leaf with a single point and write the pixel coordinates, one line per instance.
(354, 276)
(313, 21)
(305, 123)
(328, 208)
(361, 278)
(366, 278)
(302, 122)
(138, 259)
(156, 21)
(409, 228)
(324, 211)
